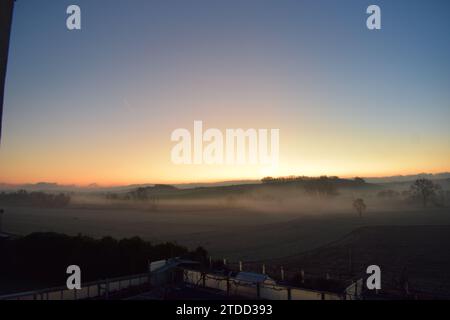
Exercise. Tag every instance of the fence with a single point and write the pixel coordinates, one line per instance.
(269, 290)
(91, 290)
(264, 290)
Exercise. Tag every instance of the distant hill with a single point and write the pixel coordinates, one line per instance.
(409, 178)
(269, 187)
(40, 186)
(216, 184)
(93, 187)
(145, 193)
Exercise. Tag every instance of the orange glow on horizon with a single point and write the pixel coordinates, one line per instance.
(116, 183)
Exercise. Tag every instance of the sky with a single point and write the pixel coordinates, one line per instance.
(98, 105)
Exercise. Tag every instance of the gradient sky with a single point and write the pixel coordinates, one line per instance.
(99, 105)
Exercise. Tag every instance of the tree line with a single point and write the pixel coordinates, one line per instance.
(34, 199)
(321, 186)
(43, 257)
(423, 191)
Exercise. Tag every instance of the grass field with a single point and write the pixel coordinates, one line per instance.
(278, 227)
(226, 232)
(420, 254)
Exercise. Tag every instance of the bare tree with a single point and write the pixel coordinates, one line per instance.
(425, 190)
(359, 206)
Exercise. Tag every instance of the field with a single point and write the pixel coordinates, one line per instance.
(231, 233)
(419, 255)
(276, 225)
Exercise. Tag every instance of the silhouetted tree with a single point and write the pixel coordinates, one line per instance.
(200, 254)
(323, 186)
(154, 201)
(35, 199)
(359, 206)
(359, 180)
(425, 190)
(49, 254)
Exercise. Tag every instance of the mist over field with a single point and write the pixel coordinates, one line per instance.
(96, 106)
(251, 221)
(292, 222)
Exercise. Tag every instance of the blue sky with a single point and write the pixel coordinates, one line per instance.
(138, 69)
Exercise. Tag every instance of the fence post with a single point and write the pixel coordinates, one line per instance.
(204, 279)
(228, 285)
(149, 279)
(99, 289)
(258, 291)
(350, 264)
(289, 293)
(240, 265)
(263, 269)
(107, 289)
(282, 274)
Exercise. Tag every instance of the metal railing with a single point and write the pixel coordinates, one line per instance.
(90, 290)
(269, 291)
(104, 289)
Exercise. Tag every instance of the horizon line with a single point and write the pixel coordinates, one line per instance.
(112, 185)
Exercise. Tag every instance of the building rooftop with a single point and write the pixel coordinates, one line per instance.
(252, 277)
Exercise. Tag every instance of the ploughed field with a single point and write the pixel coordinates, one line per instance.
(417, 254)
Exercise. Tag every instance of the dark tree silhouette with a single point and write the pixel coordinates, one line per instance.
(49, 254)
(35, 199)
(425, 190)
(359, 180)
(318, 186)
(359, 206)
